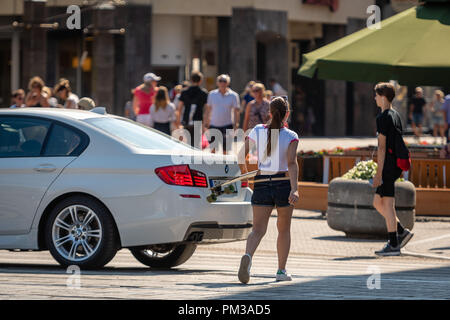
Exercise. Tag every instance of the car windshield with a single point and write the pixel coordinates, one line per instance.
(137, 134)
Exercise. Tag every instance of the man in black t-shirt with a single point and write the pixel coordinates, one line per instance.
(190, 108)
(416, 111)
(388, 126)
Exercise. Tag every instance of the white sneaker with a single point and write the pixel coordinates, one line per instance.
(244, 268)
(282, 275)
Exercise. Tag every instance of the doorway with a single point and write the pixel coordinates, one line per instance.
(5, 72)
(170, 76)
(261, 62)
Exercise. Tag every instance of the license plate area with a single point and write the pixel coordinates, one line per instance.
(215, 182)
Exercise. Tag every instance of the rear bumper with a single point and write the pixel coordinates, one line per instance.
(207, 233)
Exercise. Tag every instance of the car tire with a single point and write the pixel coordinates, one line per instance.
(179, 254)
(66, 242)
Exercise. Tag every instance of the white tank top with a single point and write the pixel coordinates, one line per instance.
(277, 161)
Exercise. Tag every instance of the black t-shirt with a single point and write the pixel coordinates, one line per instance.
(389, 124)
(418, 104)
(193, 95)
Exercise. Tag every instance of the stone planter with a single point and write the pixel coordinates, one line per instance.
(350, 208)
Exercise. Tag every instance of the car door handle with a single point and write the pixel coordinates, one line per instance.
(45, 168)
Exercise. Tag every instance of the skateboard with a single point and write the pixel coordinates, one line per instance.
(217, 190)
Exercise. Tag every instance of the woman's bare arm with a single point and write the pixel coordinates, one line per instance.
(242, 155)
(293, 164)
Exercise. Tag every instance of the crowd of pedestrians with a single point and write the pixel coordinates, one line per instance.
(40, 95)
(220, 109)
(435, 112)
(155, 106)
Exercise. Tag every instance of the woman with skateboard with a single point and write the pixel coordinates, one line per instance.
(275, 185)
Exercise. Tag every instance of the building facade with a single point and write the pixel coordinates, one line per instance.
(119, 41)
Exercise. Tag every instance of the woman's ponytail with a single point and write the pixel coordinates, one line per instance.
(278, 109)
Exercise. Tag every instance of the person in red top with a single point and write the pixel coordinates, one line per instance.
(144, 96)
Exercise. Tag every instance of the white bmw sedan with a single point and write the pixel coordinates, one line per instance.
(84, 185)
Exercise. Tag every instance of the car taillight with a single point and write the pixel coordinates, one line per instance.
(244, 184)
(182, 175)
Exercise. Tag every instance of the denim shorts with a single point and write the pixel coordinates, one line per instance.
(271, 193)
(417, 118)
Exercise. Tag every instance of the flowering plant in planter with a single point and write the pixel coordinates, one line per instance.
(364, 170)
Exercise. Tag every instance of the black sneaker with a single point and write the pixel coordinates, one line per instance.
(404, 238)
(388, 250)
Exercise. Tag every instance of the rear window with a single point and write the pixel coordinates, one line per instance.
(137, 134)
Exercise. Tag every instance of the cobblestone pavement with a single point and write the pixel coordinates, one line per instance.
(324, 263)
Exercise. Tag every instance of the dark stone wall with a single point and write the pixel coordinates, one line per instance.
(364, 106)
(133, 51)
(242, 67)
(335, 91)
(223, 44)
(268, 27)
(103, 58)
(34, 42)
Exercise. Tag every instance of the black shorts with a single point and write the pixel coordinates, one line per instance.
(271, 193)
(387, 187)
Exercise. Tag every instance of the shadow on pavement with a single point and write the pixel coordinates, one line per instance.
(442, 248)
(345, 239)
(428, 283)
(356, 258)
(126, 271)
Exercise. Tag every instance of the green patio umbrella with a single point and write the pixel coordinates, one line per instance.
(412, 47)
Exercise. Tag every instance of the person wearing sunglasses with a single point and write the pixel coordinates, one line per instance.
(18, 97)
(222, 110)
(257, 110)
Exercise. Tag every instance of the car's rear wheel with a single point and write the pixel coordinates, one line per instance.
(80, 231)
(164, 256)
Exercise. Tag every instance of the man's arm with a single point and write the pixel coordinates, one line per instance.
(207, 115)
(180, 108)
(237, 117)
(381, 153)
(237, 112)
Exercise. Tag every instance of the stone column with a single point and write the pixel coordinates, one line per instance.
(133, 50)
(277, 65)
(103, 57)
(34, 41)
(364, 107)
(224, 44)
(268, 27)
(243, 47)
(335, 91)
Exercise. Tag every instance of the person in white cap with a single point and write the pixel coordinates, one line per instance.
(144, 96)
